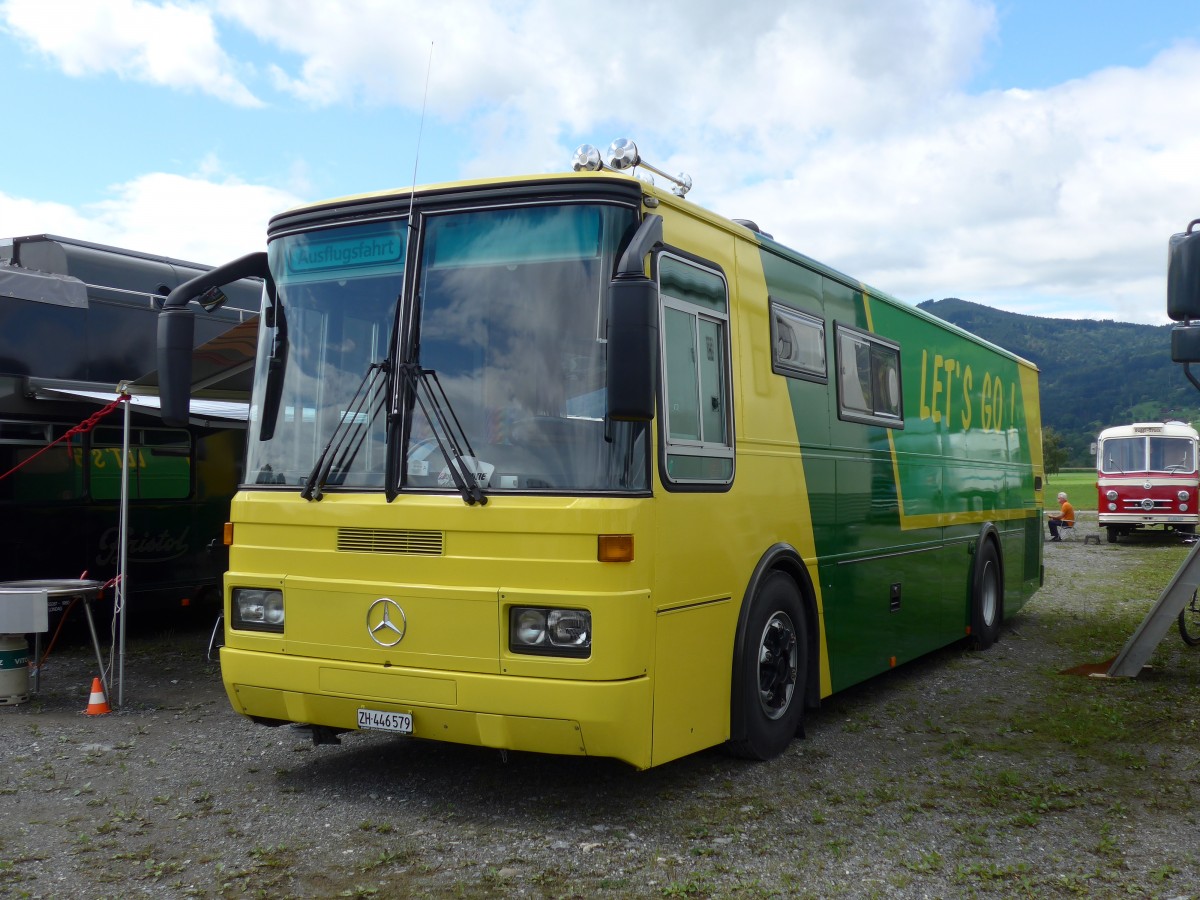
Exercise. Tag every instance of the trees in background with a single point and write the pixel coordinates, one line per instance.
(1093, 374)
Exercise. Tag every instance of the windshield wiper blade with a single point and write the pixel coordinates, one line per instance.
(344, 442)
(448, 432)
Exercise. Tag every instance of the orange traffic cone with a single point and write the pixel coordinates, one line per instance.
(97, 703)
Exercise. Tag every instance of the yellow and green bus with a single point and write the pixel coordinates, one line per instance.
(566, 463)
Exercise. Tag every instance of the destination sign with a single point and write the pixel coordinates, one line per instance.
(367, 250)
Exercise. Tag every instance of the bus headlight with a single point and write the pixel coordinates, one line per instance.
(1111, 495)
(255, 609)
(1182, 495)
(1112, 507)
(550, 631)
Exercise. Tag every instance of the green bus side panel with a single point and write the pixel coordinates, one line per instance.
(896, 511)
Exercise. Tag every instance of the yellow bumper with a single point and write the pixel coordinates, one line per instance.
(579, 718)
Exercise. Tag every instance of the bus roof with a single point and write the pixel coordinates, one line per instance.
(1161, 429)
(660, 197)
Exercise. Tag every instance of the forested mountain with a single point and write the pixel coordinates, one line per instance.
(1093, 373)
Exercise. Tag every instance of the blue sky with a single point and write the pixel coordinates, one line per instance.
(1039, 45)
(1033, 156)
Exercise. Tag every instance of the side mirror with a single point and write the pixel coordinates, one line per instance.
(1185, 344)
(176, 333)
(177, 327)
(1183, 276)
(633, 329)
(632, 348)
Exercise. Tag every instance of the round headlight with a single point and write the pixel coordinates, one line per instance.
(1182, 495)
(273, 608)
(531, 627)
(569, 627)
(1112, 507)
(1111, 495)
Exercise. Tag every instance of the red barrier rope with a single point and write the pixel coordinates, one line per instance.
(83, 427)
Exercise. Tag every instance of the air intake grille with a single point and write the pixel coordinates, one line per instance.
(380, 540)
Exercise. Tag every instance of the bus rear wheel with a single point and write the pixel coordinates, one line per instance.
(773, 670)
(986, 596)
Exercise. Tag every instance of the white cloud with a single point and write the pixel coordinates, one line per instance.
(191, 218)
(1019, 199)
(20, 216)
(169, 44)
(846, 129)
(206, 221)
(532, 72)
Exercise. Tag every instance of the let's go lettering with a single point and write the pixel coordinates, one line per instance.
(953, 394)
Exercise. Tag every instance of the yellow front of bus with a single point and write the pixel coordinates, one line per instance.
(441, 532)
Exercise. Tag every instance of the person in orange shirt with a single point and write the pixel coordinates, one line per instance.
(1064, 518)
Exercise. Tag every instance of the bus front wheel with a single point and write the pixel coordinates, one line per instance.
(773, 670)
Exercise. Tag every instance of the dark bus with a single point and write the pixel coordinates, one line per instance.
(77, 319)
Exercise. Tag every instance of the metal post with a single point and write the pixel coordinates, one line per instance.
(123, 530)
(1162, 615)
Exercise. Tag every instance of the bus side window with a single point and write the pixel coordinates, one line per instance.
(159, 464)
(797, 344)
(695, 360)
(869, 388)
(44, 476)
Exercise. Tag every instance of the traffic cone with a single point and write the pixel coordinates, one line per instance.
(97, 703)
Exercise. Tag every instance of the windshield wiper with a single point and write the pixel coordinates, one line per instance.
(344, 442)
(447, 431)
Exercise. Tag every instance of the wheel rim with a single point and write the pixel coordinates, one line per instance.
(778, 665)
(990, 594)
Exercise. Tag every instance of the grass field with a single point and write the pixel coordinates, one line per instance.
(1080, 485)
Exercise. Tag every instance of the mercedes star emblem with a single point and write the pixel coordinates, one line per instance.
(386, 622)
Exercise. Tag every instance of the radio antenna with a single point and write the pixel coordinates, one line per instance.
(420, 133)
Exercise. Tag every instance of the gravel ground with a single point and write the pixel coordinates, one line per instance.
(963, 774)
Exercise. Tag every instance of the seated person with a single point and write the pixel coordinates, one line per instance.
(1064, 518)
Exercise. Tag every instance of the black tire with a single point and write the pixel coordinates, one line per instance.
(1113, 534)
(987, 596)
(1189, 622)
(771, 677)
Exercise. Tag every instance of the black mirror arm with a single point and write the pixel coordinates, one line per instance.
(252, 265)
(649, 233)
(1187, 370)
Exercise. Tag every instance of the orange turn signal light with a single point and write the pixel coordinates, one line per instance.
(227, 534)
(614, 547)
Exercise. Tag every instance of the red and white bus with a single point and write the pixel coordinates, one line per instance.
(1146, 477)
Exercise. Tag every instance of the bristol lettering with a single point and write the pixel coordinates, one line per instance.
(144, 547)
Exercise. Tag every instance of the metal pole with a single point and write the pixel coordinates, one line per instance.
(123, 530)
(1165, 612)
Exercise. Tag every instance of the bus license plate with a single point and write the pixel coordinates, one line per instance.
(377, 720)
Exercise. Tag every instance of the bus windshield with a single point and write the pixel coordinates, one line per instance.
(1147, 454)
(504, 317)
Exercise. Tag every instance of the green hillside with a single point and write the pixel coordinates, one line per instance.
(1093, 373)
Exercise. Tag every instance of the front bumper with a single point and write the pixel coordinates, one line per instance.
(580, 718)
